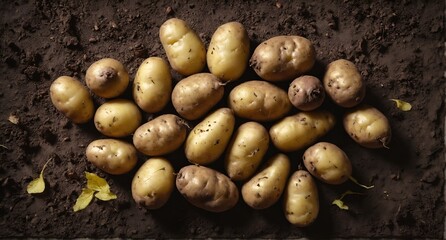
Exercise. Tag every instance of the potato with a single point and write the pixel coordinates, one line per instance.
(343, 83)
(283, 58)
(153, 85)
(195, 95)
(368, 127)
(206, 188)
(161, 135)
(246, 150)
(228, 52)
(266, 187)
(259, 101)
(184, 49)
(117, 118)
(301, 199)
(153, 183)
(107, 78)
(300, 130)
(209, 138)
(72, 99)
(112, 156)
(306, 93)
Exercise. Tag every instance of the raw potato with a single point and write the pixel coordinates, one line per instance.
(117, 118)
(162, 135)
(300, 130)
(266, 187)
(112, 156)
(301, 199)
(153, 183)
(228, 52)
(209, 138)
(259, 101)
(206, 188)
(107, 78)
(72, 99)
(283, 58)
(368, 127)
(246, 150)
(306, 93)
(343, 83)
(153, 85)
(184, 49)
(195, 95)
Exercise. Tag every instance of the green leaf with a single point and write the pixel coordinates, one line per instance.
(340, 204)
(402, 105)
(84, 199)
(105, 196)
(37, 185)
(94, 182)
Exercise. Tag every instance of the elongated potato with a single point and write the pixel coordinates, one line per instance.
(228, 52)
(209, 138)
(107, 78)
(246, 150)
(266, 187)
(300, 130)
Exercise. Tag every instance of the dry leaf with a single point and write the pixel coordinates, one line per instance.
(105, 196)
(402, 105)
(37, 185)
(83, 200)
(94, 182)
(13, 119)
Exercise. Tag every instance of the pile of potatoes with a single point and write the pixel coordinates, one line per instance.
(252, 103)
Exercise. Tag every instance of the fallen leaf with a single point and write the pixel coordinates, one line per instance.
(84, 199)
(402, 105)
(340, 204)
(37, 185)
(105, 196)
(13, 119)
(94, 182)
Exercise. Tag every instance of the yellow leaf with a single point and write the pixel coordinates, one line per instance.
(83, 200)
(402, 105)
(340, 204)
(37, 185)
(94, 182)
(105, 196)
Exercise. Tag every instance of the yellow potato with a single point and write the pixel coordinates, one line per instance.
(107, 78)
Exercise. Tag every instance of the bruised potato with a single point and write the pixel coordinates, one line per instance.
(117, 118)
(306, 93)
(107, 78)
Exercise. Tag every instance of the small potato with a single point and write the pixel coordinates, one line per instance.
(300, 130)
(184, 49)
(162, 135)
(343, 83)
(195, 95)
(306, 93)
(209, 138)
(368, 127)
(107, 78)
(117, 118)
(153, 183)
(153, 85)
(206, 188)
(266, 187)
(112, 156)
(72, 99)
(259, 101)
(301, 199)
(228, 52)
(246, 150)
(283, 58)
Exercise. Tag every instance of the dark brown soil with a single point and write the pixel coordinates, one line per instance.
(398, 47)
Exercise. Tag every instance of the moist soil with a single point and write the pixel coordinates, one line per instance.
(397, 46)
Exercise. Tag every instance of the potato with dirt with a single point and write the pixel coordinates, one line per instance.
(107, 78)
(306, 93)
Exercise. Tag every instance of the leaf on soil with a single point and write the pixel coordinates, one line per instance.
(402, 105)
(13, 119)
(84, 199)
(105, 196)
(338, 202)
(96, 183)
(37, 185)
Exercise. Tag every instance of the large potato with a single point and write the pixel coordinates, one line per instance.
(195, 95)
(266, 187)
(209, 138)
(306, 93)
(107, 78)
(152, 85)
(259, 101)
(72, 99)
(184, 49)
(206, 188)
(300, 130)
(228, 52)
(161, 135)
(246, 150)
(283, 58)
(112, 156)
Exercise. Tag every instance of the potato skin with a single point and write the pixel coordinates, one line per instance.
(343, 83)
(259, 101)
(301, 199)
(266, 187)
(228, 52)
(306, 93)
(295, 132)
(368, 127)
(112, 156)
(206, 188)
(72, 99)
(283, 58)
(107, 78)
(161, 135)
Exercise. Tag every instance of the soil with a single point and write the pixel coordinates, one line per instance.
(398, 47)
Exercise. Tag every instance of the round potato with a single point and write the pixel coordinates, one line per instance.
(112, 156)
(107, 78)
(306, 93)
(72, 99)
(206, 188)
